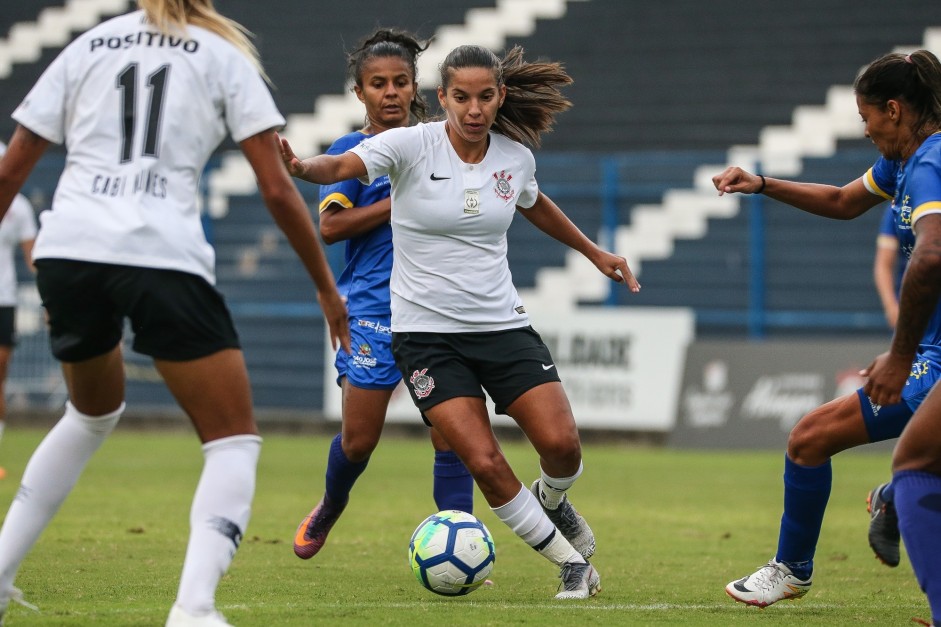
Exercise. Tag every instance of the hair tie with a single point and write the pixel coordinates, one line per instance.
(908, 59)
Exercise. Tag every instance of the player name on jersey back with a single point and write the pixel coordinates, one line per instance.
(147, 182)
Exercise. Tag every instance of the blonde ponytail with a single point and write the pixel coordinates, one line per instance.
(168, 15)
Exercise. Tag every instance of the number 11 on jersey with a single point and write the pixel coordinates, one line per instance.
(126, 82)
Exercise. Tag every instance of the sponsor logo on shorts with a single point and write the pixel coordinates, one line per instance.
(919, 369)
(422, 384)
(375, 326)
(363, 357)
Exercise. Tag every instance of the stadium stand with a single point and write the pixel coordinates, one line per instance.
(751, 82)
(661, 91)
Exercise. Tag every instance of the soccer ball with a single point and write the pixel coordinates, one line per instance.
(451, 553)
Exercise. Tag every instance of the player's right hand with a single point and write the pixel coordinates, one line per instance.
(337, 317)
(294, 165)
(735, 179)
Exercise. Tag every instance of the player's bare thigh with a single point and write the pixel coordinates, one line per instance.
(827, 430)
(214, 392)
(545, 416)
(464, 424)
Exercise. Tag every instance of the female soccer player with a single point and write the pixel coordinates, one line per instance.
(914, 81)
(17, 230)
(458, 324)
(899, 100)
(887, 267)
(383, 73)
(140, 102)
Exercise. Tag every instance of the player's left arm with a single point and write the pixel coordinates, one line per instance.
(921, 288)
(546, 216)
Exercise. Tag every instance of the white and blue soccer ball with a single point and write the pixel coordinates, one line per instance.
(451, 553)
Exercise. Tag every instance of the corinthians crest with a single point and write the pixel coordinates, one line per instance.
(502, 187)
(422, 384)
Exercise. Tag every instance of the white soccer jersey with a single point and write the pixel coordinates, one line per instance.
(18, 226)
(449, 223)
(140, 113)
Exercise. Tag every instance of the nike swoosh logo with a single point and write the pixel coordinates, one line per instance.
(438, 178)
(299, 538)
(549, 367)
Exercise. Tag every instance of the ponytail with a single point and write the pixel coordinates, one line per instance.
(914, 78)
(168, 15)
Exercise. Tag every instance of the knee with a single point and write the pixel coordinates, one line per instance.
(806, 444)
(562, 452)
(358, 447)
(489, 469)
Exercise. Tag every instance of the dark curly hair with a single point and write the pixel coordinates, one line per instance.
(914, 78)
(390, 42)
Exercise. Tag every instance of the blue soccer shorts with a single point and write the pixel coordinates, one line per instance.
(371, 366)
(885, 423)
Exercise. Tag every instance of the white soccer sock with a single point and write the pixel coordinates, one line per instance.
(527, 520)
(552, 489)
(50, 475)
(218, 518)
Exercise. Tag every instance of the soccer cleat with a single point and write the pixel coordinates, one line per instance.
(312, 532)
(580, 580)
(570, 523)
(181, 618)
(771, 583)
(884, 537)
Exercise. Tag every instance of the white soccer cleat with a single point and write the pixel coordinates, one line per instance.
(570, 523)
(769, 584)
(580, 580)
(181, 618)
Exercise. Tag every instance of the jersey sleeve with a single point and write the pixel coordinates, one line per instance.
(530, 190)
(925, 188)
(880, 178)
(344, 193)
(391, 150)
(249, 107)
(43, 109)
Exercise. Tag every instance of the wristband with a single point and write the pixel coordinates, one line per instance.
(763, 182)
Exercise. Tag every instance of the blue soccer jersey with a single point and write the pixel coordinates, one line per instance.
(365, 279)
(915, 190)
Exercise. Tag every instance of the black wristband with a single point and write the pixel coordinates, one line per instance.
(763, 182)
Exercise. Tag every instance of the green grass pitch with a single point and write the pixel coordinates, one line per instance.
(673, 527)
